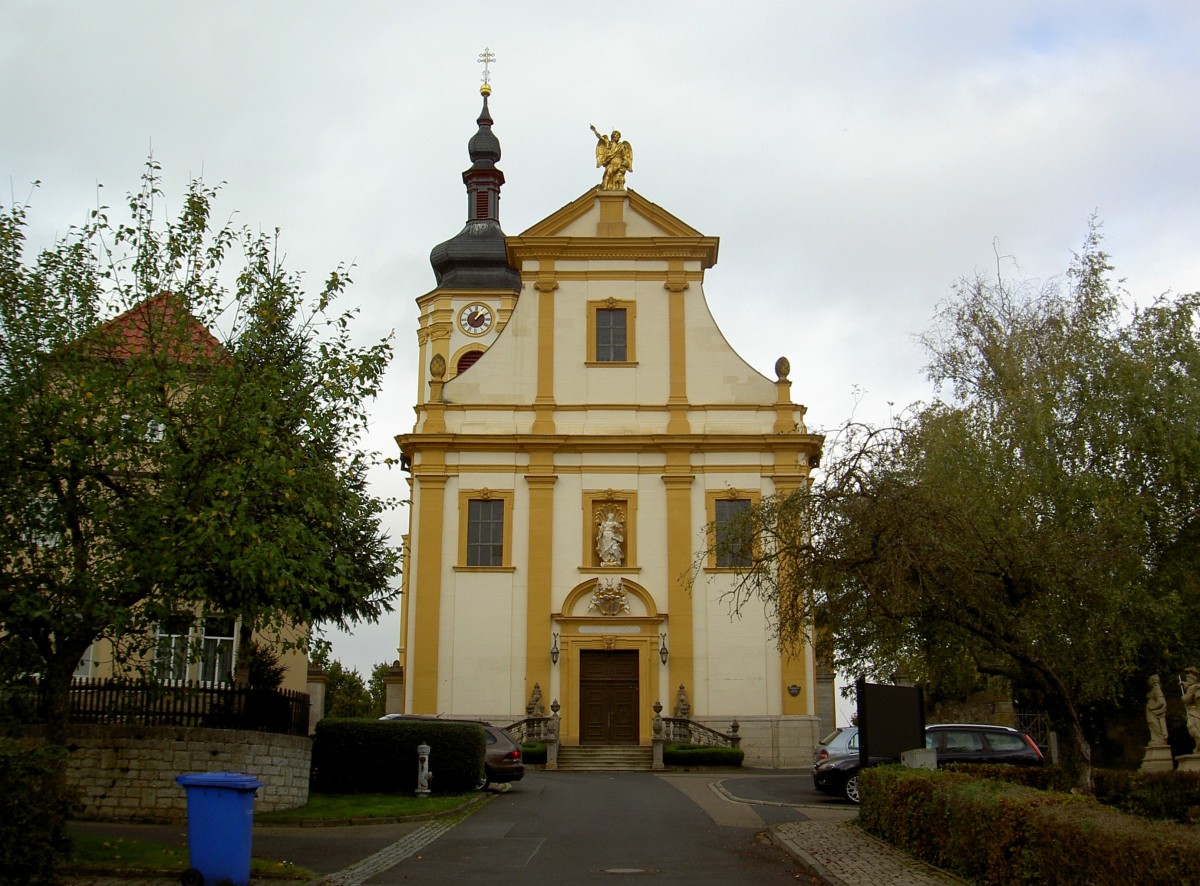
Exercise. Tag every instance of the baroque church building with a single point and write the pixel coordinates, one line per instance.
(582, 425)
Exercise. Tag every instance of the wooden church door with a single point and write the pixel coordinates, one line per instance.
(608, 693)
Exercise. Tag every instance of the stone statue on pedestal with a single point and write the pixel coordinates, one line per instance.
(1158, 752)
(1191, 703)
(1156, 711)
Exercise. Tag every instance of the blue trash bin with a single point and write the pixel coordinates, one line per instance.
(220, 812)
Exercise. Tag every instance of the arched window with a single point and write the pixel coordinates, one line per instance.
(467, 360)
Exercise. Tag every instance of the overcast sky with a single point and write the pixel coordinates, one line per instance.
(855, 158)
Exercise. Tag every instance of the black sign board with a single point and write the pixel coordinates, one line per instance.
(891, 720)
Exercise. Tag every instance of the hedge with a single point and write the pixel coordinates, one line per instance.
(994, 832)
(533, 752)
(34, 803)
(380, 756)
(701, 755)
(1170, 795)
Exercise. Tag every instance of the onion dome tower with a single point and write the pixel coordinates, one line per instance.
(475, 258)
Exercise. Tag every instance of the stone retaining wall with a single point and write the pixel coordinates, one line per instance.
(128, 772)
(773, 742)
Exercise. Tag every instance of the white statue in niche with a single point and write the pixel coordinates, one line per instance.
(609, 537)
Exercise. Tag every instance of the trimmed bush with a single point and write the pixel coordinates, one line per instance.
(1170, 795)
(34, 803)
(1044, 778)
(369, 756)
(701, 755)
(992, 832)
(533, 752)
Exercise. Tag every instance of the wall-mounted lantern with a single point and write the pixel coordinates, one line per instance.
(663, 652)
(554, 650)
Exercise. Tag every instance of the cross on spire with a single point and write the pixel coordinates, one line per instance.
(486, 58)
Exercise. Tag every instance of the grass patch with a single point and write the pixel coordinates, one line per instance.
(343, 807)
(100, 855)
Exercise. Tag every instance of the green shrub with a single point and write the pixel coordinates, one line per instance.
(990, 831)
(1171, 795)
(1167, 795)
(533, 752)
(702, 755)
(380, 756)
(1044, 778)
(33, 810)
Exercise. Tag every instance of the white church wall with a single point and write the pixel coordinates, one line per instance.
(480, 653)
(507, 371)
(742, 665)
(723, 376)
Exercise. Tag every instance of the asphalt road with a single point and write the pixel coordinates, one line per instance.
(577, 827)
(561, 827)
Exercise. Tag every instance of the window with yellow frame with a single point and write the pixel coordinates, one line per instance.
(611, 328)
(730, 540)
(485, 529)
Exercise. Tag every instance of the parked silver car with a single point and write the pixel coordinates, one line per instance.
(843, 740)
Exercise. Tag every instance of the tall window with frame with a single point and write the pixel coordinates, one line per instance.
(732, 533)
(485, 532)
(216, 651)
(611, 335)
(171, 648)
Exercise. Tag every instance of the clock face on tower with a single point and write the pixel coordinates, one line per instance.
(475, 319)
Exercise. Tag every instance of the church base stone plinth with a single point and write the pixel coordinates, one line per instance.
(1158, 758)
(1188, 762)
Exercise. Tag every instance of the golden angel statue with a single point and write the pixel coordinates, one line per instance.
(616, 157)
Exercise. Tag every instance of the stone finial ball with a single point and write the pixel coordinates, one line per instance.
(782, 368)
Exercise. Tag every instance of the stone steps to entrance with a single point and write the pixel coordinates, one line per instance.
(612, 757)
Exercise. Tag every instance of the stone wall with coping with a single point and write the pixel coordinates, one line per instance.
(126, 773)
(773, 742)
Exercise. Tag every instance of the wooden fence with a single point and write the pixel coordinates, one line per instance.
(146, 703)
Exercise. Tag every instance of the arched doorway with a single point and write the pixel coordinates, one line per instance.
(609, 671)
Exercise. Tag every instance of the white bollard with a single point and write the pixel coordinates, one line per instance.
(423, 774)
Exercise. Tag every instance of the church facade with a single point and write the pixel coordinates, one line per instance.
(582, 428)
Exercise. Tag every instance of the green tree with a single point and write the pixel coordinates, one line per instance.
(1039, 521)
(149, 468)
(346, 693)
(377, 686)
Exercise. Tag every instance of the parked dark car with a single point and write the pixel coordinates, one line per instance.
(502, 758)
(954, 743)
(965, 743)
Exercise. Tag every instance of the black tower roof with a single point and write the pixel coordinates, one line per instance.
(475, 257)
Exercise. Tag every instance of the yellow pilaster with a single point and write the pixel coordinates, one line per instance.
(425, 606)
(405, 595)
(678, 482)
(793, 663)
(543, 404)
(612, 214)
(785, 409)
(677, 400)
(540, 569)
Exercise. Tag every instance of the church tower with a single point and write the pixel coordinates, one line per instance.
(476, 287)
(581, 426)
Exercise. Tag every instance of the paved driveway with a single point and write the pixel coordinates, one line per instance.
(572, 827)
